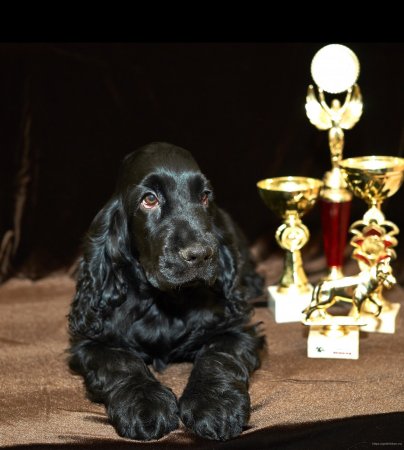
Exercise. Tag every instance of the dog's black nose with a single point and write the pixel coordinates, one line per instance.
(196, 253)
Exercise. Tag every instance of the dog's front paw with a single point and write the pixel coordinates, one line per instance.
(216, 411)
(143, 412)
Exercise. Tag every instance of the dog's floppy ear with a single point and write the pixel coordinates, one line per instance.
(229, 263)
(237, 279)
(230, 281)
(101, 282)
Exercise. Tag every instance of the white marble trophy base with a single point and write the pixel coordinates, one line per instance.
(320, 345)
(288, 307)
(385, 322)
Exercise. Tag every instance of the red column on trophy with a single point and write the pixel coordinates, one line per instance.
(335, 69)
(335, 222)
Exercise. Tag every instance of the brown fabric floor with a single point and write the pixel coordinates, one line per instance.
(296, 402)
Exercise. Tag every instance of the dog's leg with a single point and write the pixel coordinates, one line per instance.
(372, 298)
(138, 405)
(215, 403)
(314, 301)
(322, 299)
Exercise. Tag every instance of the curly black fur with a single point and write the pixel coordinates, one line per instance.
(165, 277)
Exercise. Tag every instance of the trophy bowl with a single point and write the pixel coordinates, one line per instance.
(288, 195)
(373, 178)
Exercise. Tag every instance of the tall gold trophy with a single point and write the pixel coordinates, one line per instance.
(290, 198)
(335, 69)
(334, 334)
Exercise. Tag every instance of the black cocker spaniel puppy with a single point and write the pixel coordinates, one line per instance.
(165, 277)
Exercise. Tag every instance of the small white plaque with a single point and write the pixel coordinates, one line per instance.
(320, 345)
(288, 307)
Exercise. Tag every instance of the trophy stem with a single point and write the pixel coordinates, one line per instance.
(334, 330)
(335, 204)
(335, 198)
(374, 214)
(292, 235)
(335, 224)
(293, 277)
(336, 143)
(334, 272)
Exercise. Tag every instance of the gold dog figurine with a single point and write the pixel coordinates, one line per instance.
(355, 289)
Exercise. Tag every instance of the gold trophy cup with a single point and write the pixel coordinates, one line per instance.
(373, 179)
(290, 198)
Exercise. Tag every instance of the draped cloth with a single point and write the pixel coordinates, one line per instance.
(296, 402)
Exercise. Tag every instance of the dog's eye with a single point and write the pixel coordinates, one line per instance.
(150, 201)
(205, 198)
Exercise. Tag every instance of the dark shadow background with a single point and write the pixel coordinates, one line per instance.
(70, 112)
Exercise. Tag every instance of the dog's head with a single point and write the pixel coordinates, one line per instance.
(169, 207)
(384, 274)
(162, 230)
